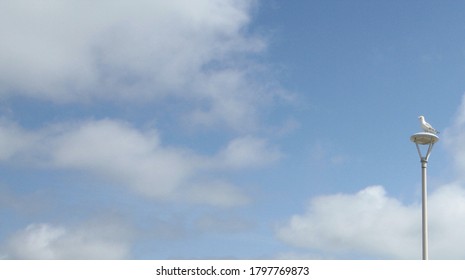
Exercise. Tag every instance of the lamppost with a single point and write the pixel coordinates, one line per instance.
(424, 138)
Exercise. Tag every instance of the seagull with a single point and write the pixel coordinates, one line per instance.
(426, 126)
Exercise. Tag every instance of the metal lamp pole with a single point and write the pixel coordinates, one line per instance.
(424, 138)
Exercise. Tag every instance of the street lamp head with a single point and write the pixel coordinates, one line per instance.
(424, 138)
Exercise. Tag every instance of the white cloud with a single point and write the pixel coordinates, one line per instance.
(59, 45)
(372, 224)
(367, 222)
(76, 50)
(447, 219)
(129, 157)
(125, 156)
(46, 241)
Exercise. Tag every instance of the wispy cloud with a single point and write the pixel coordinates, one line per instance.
(248, 151)
(125, 156)
(454, 139)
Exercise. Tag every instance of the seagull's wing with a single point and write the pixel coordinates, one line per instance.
(429, 128)
(428, 125)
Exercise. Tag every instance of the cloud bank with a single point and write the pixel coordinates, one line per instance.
(370, 224)
(138, 51)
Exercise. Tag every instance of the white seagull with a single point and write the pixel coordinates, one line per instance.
(426, 126)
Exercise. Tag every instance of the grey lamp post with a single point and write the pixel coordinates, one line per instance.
(424, 138)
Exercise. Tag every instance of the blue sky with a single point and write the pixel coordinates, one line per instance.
(229, 129)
